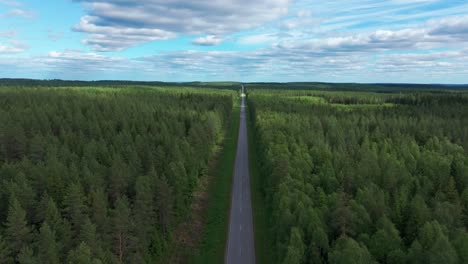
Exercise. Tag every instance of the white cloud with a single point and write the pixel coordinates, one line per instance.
(258, 39)
(362, 56)
(210, 40)
(166, 19)
(8, 34)
(19, 13)
(452, 26)
(344, 15)
(446, 33)
(10, 3)
(110, 38)
(13, 47)
(269, 64)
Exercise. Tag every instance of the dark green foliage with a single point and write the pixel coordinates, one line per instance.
(26, 256)
(350, 178)
(348, 251)
(101, 175)
(17, 231)
(296, 249)
(48, 249)
(4, 252)
(82, 255)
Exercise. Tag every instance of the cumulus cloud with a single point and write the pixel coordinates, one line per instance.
(344, 57)
(112, 38)
(268, 64)
(455, 27)
(148, 20)
(13, 47)
(210, 40)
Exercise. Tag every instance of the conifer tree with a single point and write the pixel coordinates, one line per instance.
(47, 247)
(17, 231)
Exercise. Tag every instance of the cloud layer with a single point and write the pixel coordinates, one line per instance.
(447, 32)
(344, 58)
(275, 40)
(118, 24)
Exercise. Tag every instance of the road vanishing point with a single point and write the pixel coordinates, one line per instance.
(240, 247)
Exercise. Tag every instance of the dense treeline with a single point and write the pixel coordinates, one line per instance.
(6, 82)
(360, 183)
(297, 86)
(100, 175)
(358, 87)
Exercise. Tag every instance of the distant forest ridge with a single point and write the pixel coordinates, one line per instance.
(58, 83)
(374, 87)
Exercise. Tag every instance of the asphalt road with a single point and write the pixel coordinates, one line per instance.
(240, 246)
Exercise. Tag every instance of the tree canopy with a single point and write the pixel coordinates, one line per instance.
(101, 175)
(361, 177)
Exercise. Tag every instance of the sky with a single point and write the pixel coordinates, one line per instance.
(367, 41)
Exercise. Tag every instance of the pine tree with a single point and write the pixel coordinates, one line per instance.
(122, 226)
(24, 192)
(4, 252)
(26, 256)
(144, 212)
(89, 236)
(99, 212)
(36, 149)
(177, 176)
(48, 249)
(385, 241)
(164, 203)
(74, 207)
(348, 251)
(17, 231)
(82, 255)
(61, 227)
(437, 248)
(14, 142)
(118, 178)
(461, 245)
(451, 190)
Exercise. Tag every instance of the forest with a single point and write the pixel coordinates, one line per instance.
(101, 175)
(106, 174)
(362, 177)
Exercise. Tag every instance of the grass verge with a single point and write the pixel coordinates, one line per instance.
(263, 237)
(212, 247)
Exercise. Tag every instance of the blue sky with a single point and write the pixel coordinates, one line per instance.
(418, 41)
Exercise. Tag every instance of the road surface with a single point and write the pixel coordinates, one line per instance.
(240, 246)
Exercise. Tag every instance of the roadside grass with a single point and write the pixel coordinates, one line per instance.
(212, 247)
(262, 234)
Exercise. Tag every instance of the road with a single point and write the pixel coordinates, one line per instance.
(240, 246)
